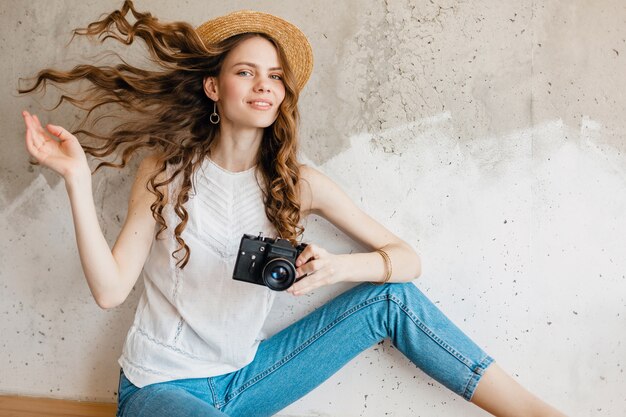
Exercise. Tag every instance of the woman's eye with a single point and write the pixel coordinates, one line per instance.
(277, 77)
(244, 72)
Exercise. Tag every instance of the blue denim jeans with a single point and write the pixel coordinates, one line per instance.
(297, 359)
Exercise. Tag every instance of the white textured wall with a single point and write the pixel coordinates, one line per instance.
(489, 135)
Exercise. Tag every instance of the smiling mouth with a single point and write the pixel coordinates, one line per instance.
(260, 104)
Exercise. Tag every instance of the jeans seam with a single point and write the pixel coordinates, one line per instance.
(476, 370)
(432, 334)
(303, 346)
(218, 404)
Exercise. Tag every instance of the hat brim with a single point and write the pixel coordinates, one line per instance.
(294, 43)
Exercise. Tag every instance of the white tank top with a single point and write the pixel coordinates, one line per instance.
(199, 322)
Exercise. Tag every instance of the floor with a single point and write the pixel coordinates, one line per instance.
(18, 406)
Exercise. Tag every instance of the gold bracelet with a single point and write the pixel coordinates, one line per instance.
(388, 270)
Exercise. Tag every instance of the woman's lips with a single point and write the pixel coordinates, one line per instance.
(260, 104)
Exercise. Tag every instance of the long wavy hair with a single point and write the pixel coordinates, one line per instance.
(170, 115)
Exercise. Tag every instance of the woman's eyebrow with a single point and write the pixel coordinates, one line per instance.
(250, 64)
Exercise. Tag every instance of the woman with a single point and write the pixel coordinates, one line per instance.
(218, 120)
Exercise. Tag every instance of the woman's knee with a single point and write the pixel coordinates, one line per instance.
(400, 291)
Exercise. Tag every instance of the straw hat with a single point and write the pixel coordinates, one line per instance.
(291, 39)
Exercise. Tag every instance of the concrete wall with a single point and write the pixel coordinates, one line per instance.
(489, 135)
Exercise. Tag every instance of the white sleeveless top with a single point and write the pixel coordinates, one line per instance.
(199, 322)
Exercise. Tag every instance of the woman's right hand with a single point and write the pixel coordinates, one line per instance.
(56, 149)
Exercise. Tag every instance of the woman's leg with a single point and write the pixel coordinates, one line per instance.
(168, 399)
(299, 358)
(499, 394)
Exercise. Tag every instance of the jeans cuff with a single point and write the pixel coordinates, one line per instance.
(477, 373)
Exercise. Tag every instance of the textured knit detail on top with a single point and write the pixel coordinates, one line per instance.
(199, 322)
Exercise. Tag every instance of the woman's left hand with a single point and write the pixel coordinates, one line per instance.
(317, 267)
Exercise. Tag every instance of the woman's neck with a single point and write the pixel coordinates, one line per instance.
(236, 149)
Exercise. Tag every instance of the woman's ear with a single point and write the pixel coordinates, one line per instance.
(210, 88)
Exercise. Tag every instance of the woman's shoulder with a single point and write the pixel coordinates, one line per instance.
(308, 172)
(306, 193)
(314, 188)
(151, 164)
(150, 161)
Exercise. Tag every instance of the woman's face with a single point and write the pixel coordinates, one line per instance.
(250, 87)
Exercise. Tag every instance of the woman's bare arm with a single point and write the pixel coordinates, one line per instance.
(110, 274)
(322, 196)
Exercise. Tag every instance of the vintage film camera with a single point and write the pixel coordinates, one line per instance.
(267, 261)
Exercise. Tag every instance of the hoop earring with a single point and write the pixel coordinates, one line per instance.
(214, 117)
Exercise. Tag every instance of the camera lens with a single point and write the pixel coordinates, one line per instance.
(279, 274)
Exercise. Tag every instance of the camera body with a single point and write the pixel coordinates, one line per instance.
(267, 261)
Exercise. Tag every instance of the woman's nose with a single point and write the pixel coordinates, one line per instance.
(262, 85)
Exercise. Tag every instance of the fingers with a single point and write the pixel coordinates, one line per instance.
(308, 268)
(59, 132)
(317, 269)
(33, 125)
(39, 143)
(34, 141)
(56, 130)
(32, 149)
(32, 122)
(311, 281)
(38, 127)
(312, 251)
(30, 142)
